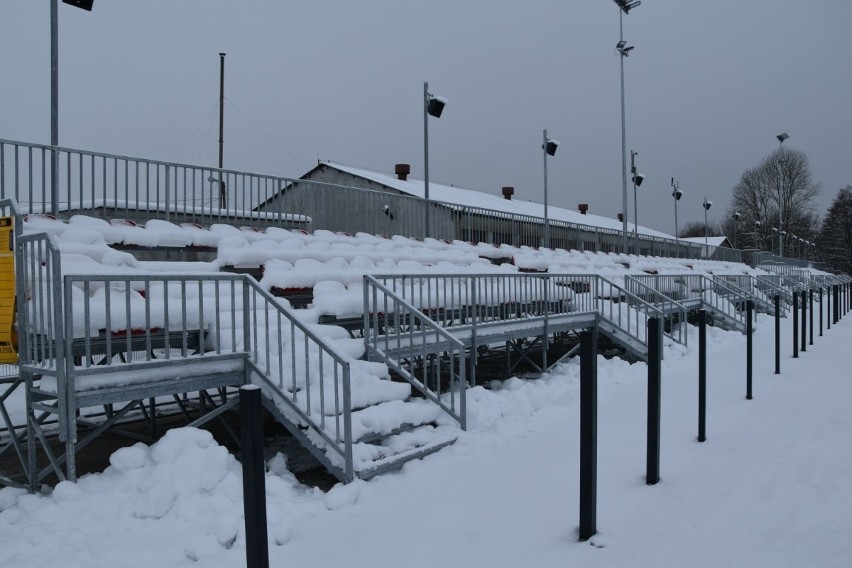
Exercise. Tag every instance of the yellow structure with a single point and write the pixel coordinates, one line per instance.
(8, 349)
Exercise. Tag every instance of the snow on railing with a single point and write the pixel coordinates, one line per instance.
(397, 330)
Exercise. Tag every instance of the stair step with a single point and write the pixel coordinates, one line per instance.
(371, 459)
(382, 420)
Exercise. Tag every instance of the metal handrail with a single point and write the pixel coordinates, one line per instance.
(690, 288)
(664, 303)
(391, 322)
(138, 187)
(478, 300)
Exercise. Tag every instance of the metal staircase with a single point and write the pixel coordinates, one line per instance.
(433, 327)
(724, 302)
(347, 412)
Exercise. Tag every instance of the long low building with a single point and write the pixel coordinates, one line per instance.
(396, 204)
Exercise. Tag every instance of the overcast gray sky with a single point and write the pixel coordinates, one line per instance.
(708, 86)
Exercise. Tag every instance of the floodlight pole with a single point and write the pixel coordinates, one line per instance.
(54, 107)
(546, 216)
(736, 218)
(54, 101)
(223, 198)
(706, 206)
(675, 194)
(635, 204)
(781, 161)
(426, 154)
(622, 55)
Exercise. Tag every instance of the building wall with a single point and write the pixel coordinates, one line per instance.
(327, 196)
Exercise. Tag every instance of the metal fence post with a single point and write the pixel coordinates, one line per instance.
(828, 304)
(749, 346)
(821, 306)
(778, 334)
(811, 316)
(795, 325)
(804, 321)
(836, 312)
(254, 477)
(588, 433)
(702, 375)
(652, 471)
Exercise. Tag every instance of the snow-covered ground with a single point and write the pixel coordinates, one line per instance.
(772, 486)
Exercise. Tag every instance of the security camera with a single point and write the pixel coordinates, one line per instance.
(638, 179)
(707, 204)
(677, 194)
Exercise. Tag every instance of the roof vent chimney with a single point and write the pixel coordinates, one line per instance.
(621, 217)
(583, 207)
(508, 192)
(402, 171)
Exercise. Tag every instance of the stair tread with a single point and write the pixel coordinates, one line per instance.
(402, 446)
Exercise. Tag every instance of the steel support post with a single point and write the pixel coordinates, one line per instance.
(702, 375)
(795, 325)
(588, 433)
(804, 321)
(254, 477)
(821, 306)
(777, 334)
(828, 304)
(811, 316)
(749, 346)
(836, 312)
(652, 471)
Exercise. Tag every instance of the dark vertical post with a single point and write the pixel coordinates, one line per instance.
(54, 109)
(223, 199)
(749, 345)
(795, 324)
(828, 304)
(588, 433)
(254, 477)
(835, 315)
(821, 307)
(652, 471)
(811, 316)
(804, 321)
(777, 334)
(702, 375)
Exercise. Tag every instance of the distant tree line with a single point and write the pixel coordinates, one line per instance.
(834, 240)
(778, 194)
(776, 201)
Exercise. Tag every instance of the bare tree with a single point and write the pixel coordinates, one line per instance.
(696, 229)
(834, 242)
(758, 198)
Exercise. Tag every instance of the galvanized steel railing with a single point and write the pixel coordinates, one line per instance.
(472, 303)
(771, 286)
(304, 375)
(397, 332)
(747, 284)
(676, 313)
(102, 184)
(78, 327)
(690, 289)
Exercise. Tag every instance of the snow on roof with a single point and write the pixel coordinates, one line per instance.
(473, 198)
(711, 241)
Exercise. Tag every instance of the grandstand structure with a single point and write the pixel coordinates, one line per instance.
(363, 344)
